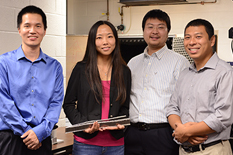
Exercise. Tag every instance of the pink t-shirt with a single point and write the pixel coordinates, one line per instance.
(103, 138)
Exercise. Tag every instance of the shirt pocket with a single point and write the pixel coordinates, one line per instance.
(161, 82)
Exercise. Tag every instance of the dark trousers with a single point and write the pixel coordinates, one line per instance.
(11, 144)
(150, 142)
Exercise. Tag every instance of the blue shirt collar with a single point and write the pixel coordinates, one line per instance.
(20, 54)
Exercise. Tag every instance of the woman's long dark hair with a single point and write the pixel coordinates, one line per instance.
(92, 72)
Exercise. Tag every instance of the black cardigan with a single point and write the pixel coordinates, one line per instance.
(79, 91)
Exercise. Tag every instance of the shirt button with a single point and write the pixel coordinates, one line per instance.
(32, 104)
(144, 88)
(146, 75)
(149, 64)
(32, 77)
(110, 115)
(111, 105)
(34, 117)
(142, 101)
(32, 90)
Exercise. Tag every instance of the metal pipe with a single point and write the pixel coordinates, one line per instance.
(201, 2)
(121, 13)
(107, 10)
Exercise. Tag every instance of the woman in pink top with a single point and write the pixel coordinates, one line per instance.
(99, 88)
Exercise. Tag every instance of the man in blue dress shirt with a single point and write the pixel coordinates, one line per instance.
(31, 90)
(154, 76)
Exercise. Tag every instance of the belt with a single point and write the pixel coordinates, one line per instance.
(148, 126)
(196, 148)
(32, 125)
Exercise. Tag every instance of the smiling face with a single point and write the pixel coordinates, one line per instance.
(105, 40)
(197, 44)
(155, 33)
(31, 30)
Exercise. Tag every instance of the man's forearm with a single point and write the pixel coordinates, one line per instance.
(198, 129)
(173, 120)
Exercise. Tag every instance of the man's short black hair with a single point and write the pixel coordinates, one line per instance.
(157, 14)
(31, 9)
(202, 22)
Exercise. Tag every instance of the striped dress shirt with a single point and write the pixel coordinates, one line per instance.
(153, 82)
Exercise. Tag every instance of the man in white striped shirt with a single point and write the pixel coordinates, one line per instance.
(154, 76)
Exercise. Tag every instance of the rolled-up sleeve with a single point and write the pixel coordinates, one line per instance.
(222, 117)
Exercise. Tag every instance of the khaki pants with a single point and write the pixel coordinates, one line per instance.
(223, 148)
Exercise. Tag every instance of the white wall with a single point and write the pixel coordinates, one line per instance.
(82, 14)
(53, 44)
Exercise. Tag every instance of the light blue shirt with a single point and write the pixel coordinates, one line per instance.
(30, 92)
(153, 81)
